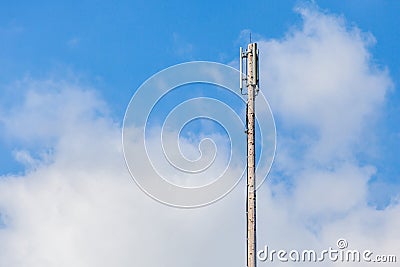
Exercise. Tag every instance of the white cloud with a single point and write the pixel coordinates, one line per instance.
(81, 208)
(321, 77)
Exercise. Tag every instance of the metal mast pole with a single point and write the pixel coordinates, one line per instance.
(252, 88)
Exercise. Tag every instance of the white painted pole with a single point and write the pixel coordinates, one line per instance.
(252, 79)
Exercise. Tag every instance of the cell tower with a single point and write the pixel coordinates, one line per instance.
(250, 56)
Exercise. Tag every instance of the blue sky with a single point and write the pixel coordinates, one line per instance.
(331, 71)
(116, 46)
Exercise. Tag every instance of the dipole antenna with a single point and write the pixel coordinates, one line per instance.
(249, 58)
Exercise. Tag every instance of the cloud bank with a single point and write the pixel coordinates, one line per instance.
(77, 206)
